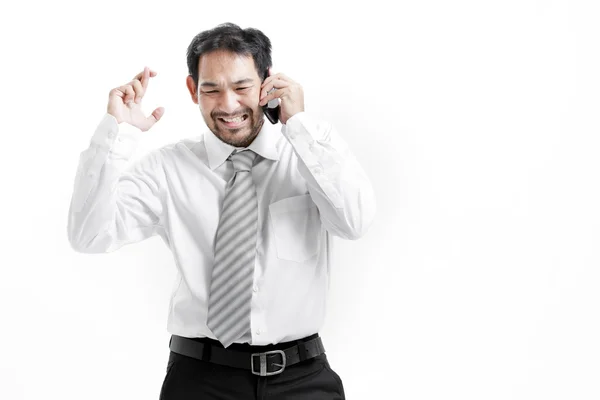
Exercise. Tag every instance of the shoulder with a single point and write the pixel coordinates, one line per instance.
(174, 149)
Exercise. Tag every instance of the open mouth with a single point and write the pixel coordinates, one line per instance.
(235, 122)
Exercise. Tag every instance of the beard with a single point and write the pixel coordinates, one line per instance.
(237, 137)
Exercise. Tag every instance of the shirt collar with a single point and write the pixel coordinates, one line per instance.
(264, 144)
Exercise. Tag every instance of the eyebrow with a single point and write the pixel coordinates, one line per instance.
(239, 82)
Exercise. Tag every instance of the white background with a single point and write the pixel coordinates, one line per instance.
(477, 122)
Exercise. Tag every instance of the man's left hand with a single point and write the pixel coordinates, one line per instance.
(290, 93)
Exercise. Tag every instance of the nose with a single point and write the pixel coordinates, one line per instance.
(229, 101)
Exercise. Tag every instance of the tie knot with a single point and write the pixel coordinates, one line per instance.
(243, 160)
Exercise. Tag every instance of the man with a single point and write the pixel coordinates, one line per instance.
(248, 210)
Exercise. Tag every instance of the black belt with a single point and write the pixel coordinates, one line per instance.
(259, 363)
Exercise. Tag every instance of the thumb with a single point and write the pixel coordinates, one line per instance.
(154, 117)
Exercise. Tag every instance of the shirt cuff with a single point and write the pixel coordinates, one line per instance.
(304, 124)
(302, 131)
(118, 139)
(315, 144)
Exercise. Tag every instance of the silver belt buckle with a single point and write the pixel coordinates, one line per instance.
(263, 363)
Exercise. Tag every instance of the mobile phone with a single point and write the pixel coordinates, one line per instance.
(271, 109)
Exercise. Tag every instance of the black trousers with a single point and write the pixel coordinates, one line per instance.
(189, 378)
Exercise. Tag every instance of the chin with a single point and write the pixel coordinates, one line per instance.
(237, 137)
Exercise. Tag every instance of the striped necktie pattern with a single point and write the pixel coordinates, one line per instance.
(235, 252)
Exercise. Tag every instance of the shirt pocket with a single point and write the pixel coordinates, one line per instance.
(296, 225)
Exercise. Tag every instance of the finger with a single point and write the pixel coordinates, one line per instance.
(274, 84)
(145, 78)
(273, 95)
(284, 77)
(269, 78)
(277, 84)
(127, 93)
(141, 74)
(139, 90)
(157, 114)
(277, 76)
(154, 118)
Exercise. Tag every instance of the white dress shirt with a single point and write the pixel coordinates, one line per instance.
(309, 187)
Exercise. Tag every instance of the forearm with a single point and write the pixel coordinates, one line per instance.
(337, 183)
(97, 221)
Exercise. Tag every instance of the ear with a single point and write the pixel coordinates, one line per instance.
(189, 81)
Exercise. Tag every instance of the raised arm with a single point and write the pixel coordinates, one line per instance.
(337, 183)
(116, 201)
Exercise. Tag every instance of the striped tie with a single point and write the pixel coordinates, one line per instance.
(235, 250)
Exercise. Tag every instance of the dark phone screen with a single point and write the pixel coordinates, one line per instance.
(272, 114)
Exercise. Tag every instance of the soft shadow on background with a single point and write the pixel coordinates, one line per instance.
(477, 122)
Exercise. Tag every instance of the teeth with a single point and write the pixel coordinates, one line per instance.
(237, 119)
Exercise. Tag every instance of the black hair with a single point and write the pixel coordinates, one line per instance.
(229, 36)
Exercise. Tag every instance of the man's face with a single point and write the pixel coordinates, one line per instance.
(228, 93)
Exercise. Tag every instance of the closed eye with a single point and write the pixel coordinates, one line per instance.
(216, 91)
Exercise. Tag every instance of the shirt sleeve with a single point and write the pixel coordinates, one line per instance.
(337, 183)
(115, 201)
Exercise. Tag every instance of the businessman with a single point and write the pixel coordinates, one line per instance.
(248, 210)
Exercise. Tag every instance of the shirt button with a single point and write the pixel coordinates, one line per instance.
(111, 134)
(255, 288)
(318, 170)
(258, 331)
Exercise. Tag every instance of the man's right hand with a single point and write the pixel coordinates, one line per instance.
(124, 102)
